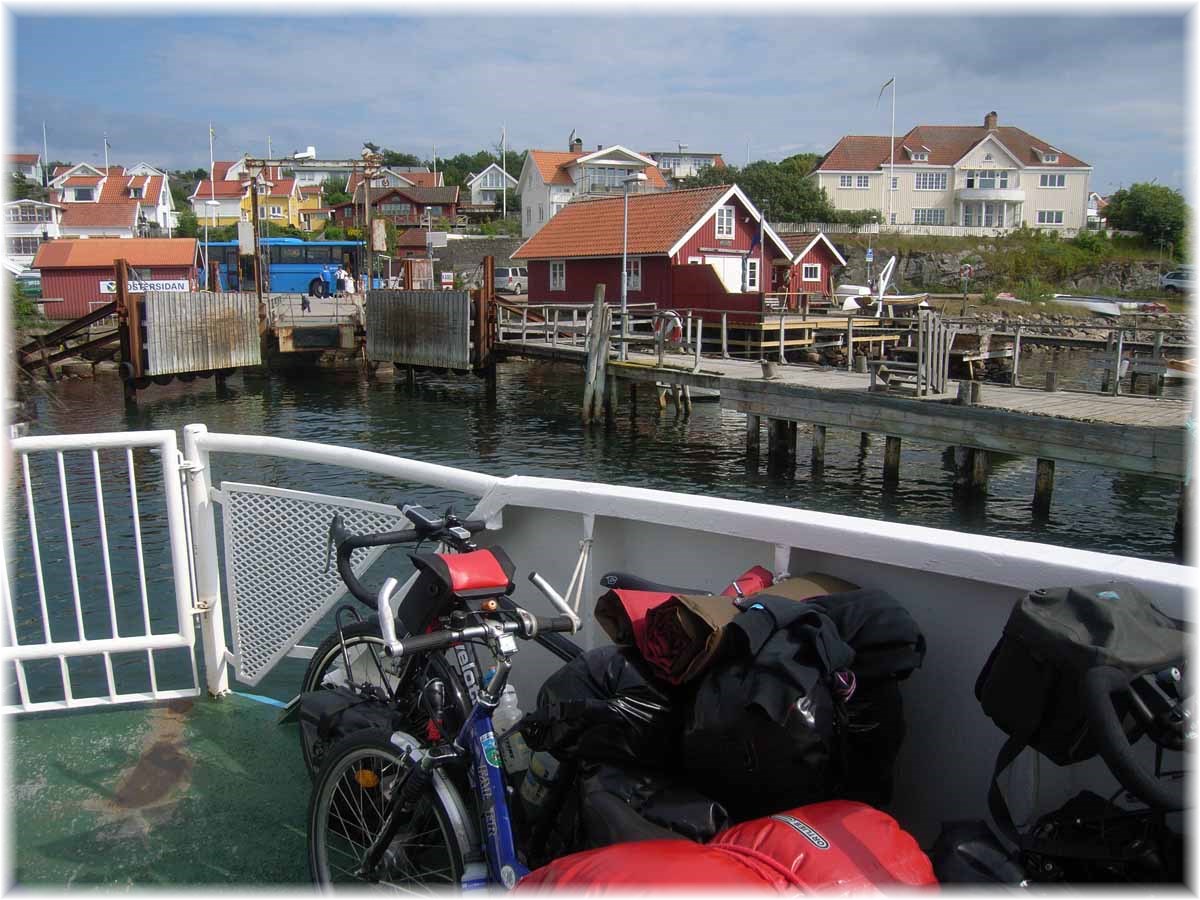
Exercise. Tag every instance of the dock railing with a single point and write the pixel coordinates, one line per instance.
(569, 324)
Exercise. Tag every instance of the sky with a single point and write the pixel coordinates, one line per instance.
(1109, 88)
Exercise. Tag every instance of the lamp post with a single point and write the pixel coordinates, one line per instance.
(632, 179)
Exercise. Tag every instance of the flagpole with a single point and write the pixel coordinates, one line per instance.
(45, 157)
(504, 171)
(892, 152)
(106, 153)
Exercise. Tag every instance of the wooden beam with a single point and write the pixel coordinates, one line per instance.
(753, 434)
(1043, 488)
(818, 447)
(891, 460)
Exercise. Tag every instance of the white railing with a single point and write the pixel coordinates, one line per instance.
(568, 324)
(62, 604)
(909, 228)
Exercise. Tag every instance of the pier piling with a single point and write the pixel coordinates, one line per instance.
(818, 447)
(753, 432)
(1043, 488)
(891, 460)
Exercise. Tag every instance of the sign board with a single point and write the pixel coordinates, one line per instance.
(170, 285)
(435, 239)
(964, 271)
(447, 279)
(870, 255)
(379, 236)
(246, 238)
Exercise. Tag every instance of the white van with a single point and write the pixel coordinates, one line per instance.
(513, 279)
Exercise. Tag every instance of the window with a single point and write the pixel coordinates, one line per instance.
(895, 184)
(558, 275)
(135, 193)
(395, 208)
(987, 178)
(528, 215)
(435, 212)
(23, 246)
(845, 181)
(276, 212)
(541, 212)
(633, 274)
(862, 182)
(752, 274)
(725, 222)
(84, 194)
(1050, 216)
(28, 213)
(929, 217)
(1049, 157)
(1053, 180)
(929, 181)
(695, 261)
(892, 220)
(291, 255)
(920, 156)
(987, 157)
(555, 209)
(810, 272)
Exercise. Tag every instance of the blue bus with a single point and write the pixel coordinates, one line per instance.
(297, 266)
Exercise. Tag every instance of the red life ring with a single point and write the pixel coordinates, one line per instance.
(671, 333)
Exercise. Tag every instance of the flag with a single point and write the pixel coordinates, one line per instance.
(891, 80)
(756, 239)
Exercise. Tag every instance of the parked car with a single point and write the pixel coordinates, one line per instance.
(513, 279)
(1178, 281)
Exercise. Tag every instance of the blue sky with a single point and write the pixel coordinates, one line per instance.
(1108, 89)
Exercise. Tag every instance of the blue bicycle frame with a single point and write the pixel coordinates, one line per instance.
(486, 776)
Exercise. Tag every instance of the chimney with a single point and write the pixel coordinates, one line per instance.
(599, 146)
(989, 121)
(577, 145)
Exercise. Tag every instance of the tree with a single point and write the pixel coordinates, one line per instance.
(187, 226)
(396, 158)
(22, 188)
(802, 163)
(333, 192)
(1157, 211)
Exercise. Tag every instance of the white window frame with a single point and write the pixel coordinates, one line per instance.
(845, 181)
(813, 268)
(752, 273)
(1049, 157)
(633, 273)
(930, 181)
(725, 223)
(91, 199)
(558, 274)
(541, 212)
(529, 215)
(1050, 217)
(920, 156)
(895, 182)
(862, 182)
(1052, 180)
(695, 260)
(276, 212)
(929, 215)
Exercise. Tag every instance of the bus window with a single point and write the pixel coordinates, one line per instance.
(289, 254)
(320, 254)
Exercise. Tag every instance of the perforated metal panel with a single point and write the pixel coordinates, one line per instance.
(275, 542)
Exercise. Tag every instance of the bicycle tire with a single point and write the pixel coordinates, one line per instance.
(347, 807)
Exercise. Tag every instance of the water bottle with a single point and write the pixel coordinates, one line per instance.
(538, 784)
(513, 749)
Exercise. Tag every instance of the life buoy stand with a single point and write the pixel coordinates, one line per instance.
(668, 327)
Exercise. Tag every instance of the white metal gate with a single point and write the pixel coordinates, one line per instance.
(97, 588)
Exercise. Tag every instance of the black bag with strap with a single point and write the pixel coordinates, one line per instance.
(1032, 683)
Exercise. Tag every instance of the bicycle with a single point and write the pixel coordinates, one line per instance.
(383, 808)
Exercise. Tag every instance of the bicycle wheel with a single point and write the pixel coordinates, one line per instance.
(347, 808)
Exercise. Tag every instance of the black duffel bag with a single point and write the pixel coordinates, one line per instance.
(605, 706)
(328, 715)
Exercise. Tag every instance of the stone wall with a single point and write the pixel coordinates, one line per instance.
(463, 256)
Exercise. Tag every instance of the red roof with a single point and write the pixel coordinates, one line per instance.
(412, 237)
(947, 144)
(552, 166)
(99, 253)
(221, 188)
(23, 159)
(594, 227)
(419, 179)
(59, 170)
(121, 214)
(82, 181)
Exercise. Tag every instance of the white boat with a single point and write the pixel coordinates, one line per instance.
(1103, 306)
(854, 297)
(960, 587)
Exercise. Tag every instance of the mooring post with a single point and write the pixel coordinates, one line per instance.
(864, 441)
(753, 432)
(1051, 381)
(686, 393)
(594, 369)
(675, 398)
(964, 393)
(1016, 366)
(979, 471)
(891, 460)
(964, 462)
(725, 335)
(791, 441)
(1043, 488)
(818, 447)
(1156, 381)
(850, 344)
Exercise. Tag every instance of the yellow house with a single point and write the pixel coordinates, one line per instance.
(226, 199)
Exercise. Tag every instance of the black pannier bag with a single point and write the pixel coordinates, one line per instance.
(1032, 683)
(763, 727)
(627, 803)
(326, 716)
(605, 706)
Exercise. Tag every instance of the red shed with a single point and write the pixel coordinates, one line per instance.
(81, 272)
(716, 228)
(813, 260)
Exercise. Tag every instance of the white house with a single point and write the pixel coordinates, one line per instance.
(550, 180)
(27, 224)
(683, 163)
(486, 187)
(113, 202)
(28, 165)
(991, 178)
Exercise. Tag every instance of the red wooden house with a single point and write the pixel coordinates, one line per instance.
(811, 275)
(403, 206)
(703, 248)
(81, 274)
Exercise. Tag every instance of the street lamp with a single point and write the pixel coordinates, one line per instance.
(632, 179)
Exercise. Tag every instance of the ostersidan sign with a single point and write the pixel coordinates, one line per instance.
(172, 285)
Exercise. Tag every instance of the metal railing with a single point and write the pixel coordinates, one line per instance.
(64, 598)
